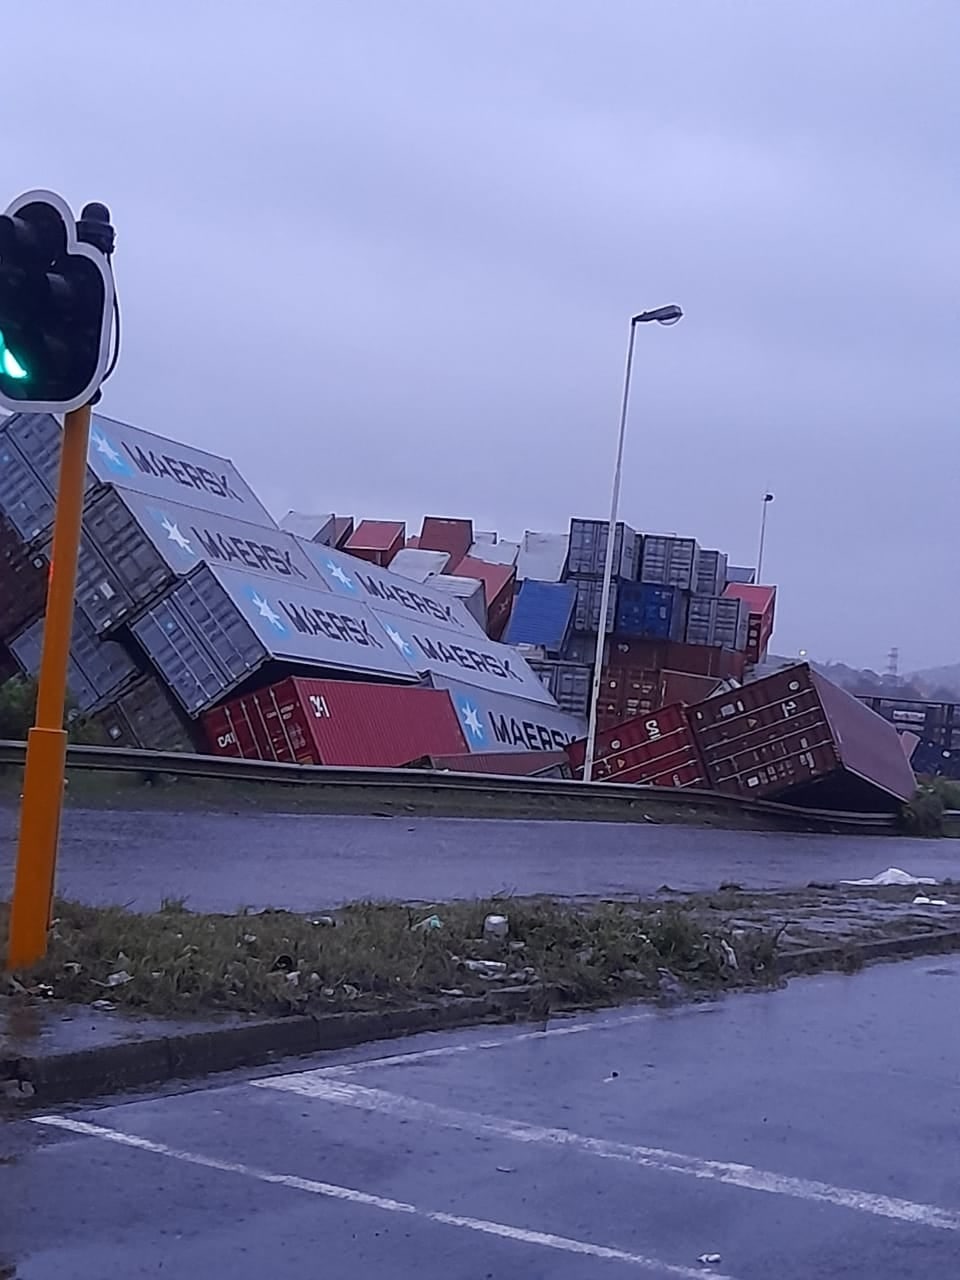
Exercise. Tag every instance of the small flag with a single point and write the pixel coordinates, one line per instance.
(768, 497)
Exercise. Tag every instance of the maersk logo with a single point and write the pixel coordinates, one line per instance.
(341, 579)
(173, 533)
(265, 610)
(104, 448)
(399, 639)
(470, 717)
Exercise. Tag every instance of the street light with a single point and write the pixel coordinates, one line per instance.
(767, 499)
(662, 315)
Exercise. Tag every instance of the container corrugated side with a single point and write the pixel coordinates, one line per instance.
(717, 621)
(27, 648)
(99, 591)
(495, 722)
(498, 582)
(542, 615)
(144, 717)
(588, 549)
(669, 561)
(180, 655)
(711, 576)
(586, 611)
(25, 502)
(377, 541)
(657, 750)
(649, 609)
(23, 582)
(776, 738)
(440, 533)
(469, 591)
(336, 723)
(663, 655)
(98, 668)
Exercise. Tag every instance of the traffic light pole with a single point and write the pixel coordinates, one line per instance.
(43, 782)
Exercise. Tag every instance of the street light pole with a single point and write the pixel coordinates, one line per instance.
(767, 499)
(663, 315)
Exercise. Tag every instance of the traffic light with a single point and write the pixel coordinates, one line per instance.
(56, 303)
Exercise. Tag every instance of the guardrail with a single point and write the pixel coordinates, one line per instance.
(621, 801)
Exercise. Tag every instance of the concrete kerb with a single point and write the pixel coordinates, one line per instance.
(106, 1069)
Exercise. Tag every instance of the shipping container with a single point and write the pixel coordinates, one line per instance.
(588, 549)
(438, 533)
(717, 621)
(586, 609)
(669, 561)
(936, 722)
(143, 718)
(494, 549)
(498, 581)
(130, 458)
(99, 592)
(335, 722)
(739, 573)
(23, 582)
(387, 592)
(376, 541)
(760, 603)
(519, 764)
(151, 545)
(318, 528)
(99, 669)
(569, 683)
(419, 565)
(543, 556)
(646, 609)
(795, 736)
(581, 647)
(469, 591)
(542, 615)
(497, 722)
(656, 750)
(342, 529)
(24, 501)
(660, 655)
(711, 576)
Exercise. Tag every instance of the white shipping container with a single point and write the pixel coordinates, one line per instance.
(543, 556)
(418, 564)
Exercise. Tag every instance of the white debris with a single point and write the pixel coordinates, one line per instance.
(708, 1259)
(729, 955)
(922, 901)
(496, 927)
(892, 875)
(486, 968)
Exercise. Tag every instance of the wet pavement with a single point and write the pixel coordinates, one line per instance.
(222, 861)
(803, 1134)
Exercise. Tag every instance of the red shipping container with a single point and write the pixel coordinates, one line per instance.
(376, 541)
(657, 750)
(499, 582)
(665, 655)
(761, 603)
(336, 722)
(440, 534)
(796, 737)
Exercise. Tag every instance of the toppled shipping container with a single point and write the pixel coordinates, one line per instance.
(543, 556)
(335, 722)
(376, 541)
(441, 533)
(657, 750)
(23, 582)
(796, 737)
(497, 722)
(760, 603)
(419, 565)
(498, 585)
(542, 615)
(144, 717)
(312, 528)
(98, 669)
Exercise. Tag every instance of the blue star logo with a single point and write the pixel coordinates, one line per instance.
(173, 533)
(102, 447)
(470, 714)
(402, 643)
(265, 610)
(341, 579)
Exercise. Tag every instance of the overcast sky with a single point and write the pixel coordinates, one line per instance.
(383, 253)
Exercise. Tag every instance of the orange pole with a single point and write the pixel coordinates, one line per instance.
(47, 742)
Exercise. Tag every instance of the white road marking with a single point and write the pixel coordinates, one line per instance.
(521, 1235)
(504, 1042)
(314, 1084)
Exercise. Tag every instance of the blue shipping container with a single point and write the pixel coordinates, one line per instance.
(541, 614)
(646, 609)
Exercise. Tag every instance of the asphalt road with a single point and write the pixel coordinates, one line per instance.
(804, 1134)
(222, 861)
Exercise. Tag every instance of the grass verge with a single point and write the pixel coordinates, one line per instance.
(376, 955)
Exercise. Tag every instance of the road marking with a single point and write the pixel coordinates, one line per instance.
(521, 1235)
(573, 1029)
(314, 1084)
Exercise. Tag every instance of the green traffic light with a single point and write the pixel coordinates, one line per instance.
(11, 366)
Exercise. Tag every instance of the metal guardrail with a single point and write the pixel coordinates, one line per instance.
(406, 782)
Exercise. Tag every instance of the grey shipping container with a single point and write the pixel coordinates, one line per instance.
(720, 622)
(144, 717)
(23, 582)
(320, 529)
(711, 577)
(469, 591)
(588, 549)
(543, 556)
(669, 561)
(99, 591)
(741, 573)
(586, 610)
(571, 687)
(151, 544)
(581, 647)
(419, 565)
(98, 668)
(496, 722)
(24, 500)
(131, 458)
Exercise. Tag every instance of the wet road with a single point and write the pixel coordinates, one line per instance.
(804, 1134)
(222, 861)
